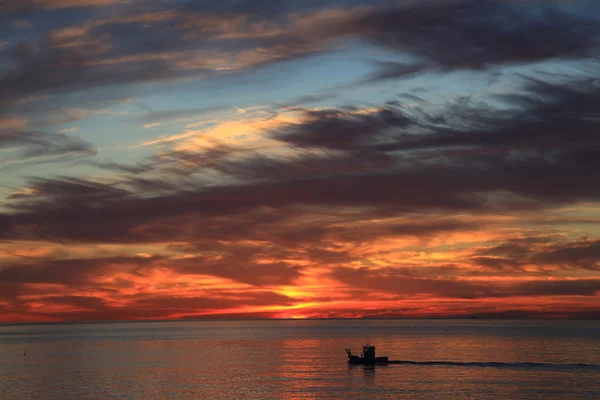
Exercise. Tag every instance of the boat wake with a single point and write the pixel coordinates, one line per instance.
(522, 365)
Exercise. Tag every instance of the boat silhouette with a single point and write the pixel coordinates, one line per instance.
(366, 358)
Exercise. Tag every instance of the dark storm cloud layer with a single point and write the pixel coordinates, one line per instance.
(497, 167)
(145, 43)
(87, 212)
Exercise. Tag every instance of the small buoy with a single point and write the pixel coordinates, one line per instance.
(25, 353)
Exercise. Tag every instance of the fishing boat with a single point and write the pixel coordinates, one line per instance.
(366, 358)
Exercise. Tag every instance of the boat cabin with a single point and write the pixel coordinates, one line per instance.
(367, 356)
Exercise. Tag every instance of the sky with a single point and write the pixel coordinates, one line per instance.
(178, 159)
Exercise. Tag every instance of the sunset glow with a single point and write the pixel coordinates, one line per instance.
(289, 159)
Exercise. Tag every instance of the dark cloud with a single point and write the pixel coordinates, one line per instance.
(338, 129)
(157, 42)
(242, 270)
(72, 272)
(541, 252)
(121, 168)
(370, 162)
(88, 302)
(68, 278)
(342, 178)
(557, 312)
(586, 254)
(79, 273)
(185, 304)
(32, 146)
(258, 167)
(21, 5)
(267, 8)
(543, 111)
(463, 311)
(98, 213)
(497, 264)
(515, 248)
(89, 308)
(388, 70)
(389, 280)
(395, 281)
(81, 189)
(48, 71)
(587, 287)
(475, 34)
(143, 43)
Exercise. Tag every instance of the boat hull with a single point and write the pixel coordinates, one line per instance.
(356, 360)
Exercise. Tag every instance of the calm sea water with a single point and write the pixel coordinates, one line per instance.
(301, 359)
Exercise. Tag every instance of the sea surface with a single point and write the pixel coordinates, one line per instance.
(285, 359)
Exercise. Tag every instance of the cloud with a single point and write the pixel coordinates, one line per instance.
(587, 287)
(584, 254)
(87, 271)
(54, 71)
(74, 272)
(9, 5)
(121, 287)
(393, 281)
(370, 162)
(47, 190)
(315, 210)
(88, 308)
(544, 253)
(12, 123)
(242, 269)
(476, 34)
(388, 281)
(30, 145)
(337, 129)
(194, 40)
(389, 70)
(121, 168)
(497, 264)
(537, 118)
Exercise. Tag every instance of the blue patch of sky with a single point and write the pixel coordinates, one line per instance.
(269, 85)
(279, 82)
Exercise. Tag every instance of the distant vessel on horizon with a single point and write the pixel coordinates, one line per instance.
(366, 358)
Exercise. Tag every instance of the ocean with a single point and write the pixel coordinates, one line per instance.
(287, 359)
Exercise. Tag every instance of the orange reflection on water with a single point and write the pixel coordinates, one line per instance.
(302, 361)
